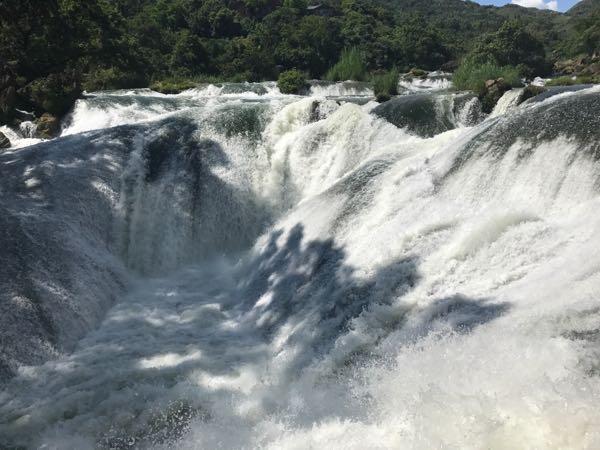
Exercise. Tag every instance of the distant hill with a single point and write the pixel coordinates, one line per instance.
(584, 8)
(464, 21)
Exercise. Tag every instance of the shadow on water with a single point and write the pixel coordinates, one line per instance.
(65, 238)
(292, 293)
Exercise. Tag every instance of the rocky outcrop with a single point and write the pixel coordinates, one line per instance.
(48, 126)
(4, 141)
(531, 91)
(494, 90)
(581, 66)
(417, 73)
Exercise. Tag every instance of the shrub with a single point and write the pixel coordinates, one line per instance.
(385, 85)
(112, 78)
(291, 82)
(54, 94)
(351, 66)
(173, 85)
(472, 76)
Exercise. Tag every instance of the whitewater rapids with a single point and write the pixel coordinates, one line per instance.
(234, 268)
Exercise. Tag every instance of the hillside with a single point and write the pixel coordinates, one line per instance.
(584, 8)
(51, 51)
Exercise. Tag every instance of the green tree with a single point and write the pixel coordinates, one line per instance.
(512, 45)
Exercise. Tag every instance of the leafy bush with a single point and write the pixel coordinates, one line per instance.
(173, 85)
(291, 82)
(472, 75)
(385, 85)
(55, 93)
(112, 78)
(351, 66)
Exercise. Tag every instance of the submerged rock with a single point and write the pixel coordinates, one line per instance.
(48, 126)
(4, 141)
(419, 113)
(417, 73)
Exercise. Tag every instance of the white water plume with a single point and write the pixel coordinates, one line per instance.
(302, 273)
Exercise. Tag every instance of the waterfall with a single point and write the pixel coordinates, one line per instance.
(231, 267)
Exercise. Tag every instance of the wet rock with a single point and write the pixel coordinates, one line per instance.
(320, 110)
(48, 126)
(417, 73)
(531, 91)
(421, 114)
(4, 141)
(494, 90)
(467, 109)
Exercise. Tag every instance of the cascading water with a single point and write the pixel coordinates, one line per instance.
(300, 273)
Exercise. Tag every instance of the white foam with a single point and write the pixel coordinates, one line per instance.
(398, 300)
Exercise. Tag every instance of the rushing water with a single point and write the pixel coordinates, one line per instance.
(234, 268)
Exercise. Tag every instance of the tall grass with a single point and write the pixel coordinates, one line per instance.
(385, 85)
(351, 66)
(571, 81)
(472, 76)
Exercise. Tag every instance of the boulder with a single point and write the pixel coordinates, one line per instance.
(418, 73)
(531, 91)
(591, 70)
(419, 114)
(572, 66)
(4, 141)
(48, 126)
(494, 90)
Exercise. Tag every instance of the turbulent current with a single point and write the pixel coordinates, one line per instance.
(235, 268)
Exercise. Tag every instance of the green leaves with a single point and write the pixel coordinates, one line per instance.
(292, 82)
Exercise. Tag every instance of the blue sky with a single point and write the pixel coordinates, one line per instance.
(560, 5)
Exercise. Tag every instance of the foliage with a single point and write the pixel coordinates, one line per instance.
(351, 66)
(586, 39)
(54, 93)
(173, 85)
(512, 45)
(291, 82)
(472, 75)
(385, 85)
(106, 78)
(108, 44)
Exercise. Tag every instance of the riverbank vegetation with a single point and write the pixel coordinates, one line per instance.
(385, 85)
(351, 66)
(54, 50)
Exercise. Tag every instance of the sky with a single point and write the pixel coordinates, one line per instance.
(556, 5)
